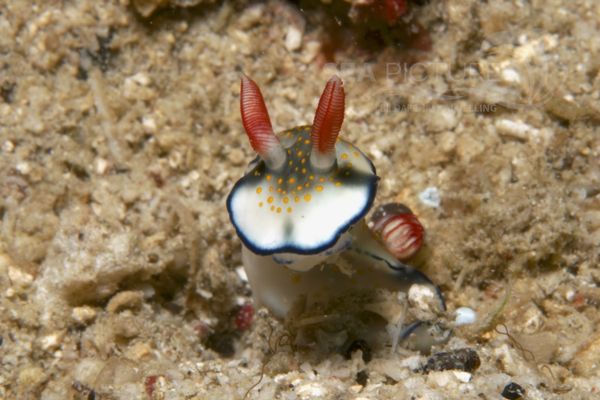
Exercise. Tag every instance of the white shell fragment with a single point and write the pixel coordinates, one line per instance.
(241, 273)
(424, 300)
(510, 75)
(311, 390)
(516, 129)
(430, 197)
(462, 376)
(465, 316)
(293, 38)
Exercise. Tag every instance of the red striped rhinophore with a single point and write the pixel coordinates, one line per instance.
(401, 232)
(257, 124)
(328, 123)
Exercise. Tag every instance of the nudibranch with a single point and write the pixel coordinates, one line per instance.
(302, 203)
(305, 190)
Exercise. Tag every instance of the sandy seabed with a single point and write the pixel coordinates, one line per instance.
(120, 138)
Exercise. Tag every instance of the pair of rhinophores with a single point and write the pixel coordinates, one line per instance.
(299, 211)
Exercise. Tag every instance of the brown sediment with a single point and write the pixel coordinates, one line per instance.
(120, 138)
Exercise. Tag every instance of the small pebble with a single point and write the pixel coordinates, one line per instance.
(355, 389)
(241, 273)
(19, 278)
(149, 124)
(251, 16)
(293, 39)
(311, 390)
(510, 75)
(222, 343)
(141, 79)
(137, 87)
(464, 377)
(52, 341)
(516, 129)
(83, 315)
(513, 391)
(462, 359)
(440, 119)
(362, 377)
(440, 379)
(8, 146)
(102, 166)
(126, 299)
(430, 197)
(83, 390)
(424, 300)
(204, 293)
(311, 50)
(24, 168)
(31, 376)
(138, 351)
(411, 362)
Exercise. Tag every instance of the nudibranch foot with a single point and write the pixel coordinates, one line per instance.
(391, 273)
(284, 291)
(280, 288)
